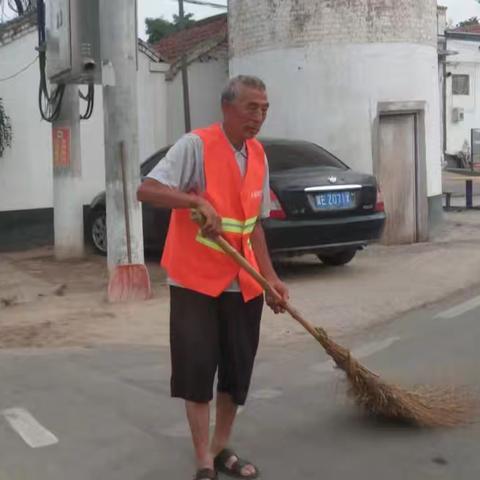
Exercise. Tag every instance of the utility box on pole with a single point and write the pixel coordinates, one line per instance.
(72, 50)
(73, 41)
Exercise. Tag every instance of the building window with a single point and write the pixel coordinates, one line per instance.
(461, 84)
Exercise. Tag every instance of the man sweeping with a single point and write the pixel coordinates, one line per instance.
(215, 307)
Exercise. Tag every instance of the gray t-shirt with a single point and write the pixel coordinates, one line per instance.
(182, 169)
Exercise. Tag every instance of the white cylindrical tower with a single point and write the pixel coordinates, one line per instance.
(335, 68)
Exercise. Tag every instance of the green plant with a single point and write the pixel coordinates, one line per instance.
(158, 28)
(5, 130)
(469, 22)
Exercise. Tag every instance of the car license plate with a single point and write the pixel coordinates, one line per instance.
(335, 200)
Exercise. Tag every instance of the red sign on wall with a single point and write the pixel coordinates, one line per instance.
(61, 146)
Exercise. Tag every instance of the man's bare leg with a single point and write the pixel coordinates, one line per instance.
(198, 415)
(225, 418)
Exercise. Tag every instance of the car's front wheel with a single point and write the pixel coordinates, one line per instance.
(97, 230)
(338, 258)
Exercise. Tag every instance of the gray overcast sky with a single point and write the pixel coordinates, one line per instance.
(148, 8)
(166, 9)
(457, 10)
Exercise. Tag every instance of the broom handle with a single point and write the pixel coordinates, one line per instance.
(242, 261)
(125, 201)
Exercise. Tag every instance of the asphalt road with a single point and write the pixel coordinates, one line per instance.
(106, 413)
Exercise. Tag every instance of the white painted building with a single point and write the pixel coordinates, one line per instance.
(26, 175)
(359, 78)
(462, 91)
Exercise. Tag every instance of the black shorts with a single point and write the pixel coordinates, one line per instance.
(207, 334)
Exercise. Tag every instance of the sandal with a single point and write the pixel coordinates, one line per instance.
(205, 474)
(235, 471)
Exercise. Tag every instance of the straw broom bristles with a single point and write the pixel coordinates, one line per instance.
(422, 406)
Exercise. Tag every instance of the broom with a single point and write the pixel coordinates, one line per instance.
(422, 406)
(129, 281)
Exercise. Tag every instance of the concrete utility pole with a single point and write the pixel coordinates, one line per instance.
(119, 50)
(67, 178)
(186, 94)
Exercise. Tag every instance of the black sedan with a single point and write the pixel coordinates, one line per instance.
(319, 206)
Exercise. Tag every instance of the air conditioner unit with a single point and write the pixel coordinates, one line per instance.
(458, 115)
(73, 41)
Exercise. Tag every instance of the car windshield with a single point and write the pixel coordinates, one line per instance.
(289, 155)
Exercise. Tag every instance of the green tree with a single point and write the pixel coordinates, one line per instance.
(188, 21)
(469, 22)
(5, 130)
(158, 28)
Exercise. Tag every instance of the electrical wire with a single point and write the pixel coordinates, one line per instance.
(20, 71)
(49, 102)
(13, 7)
(207, 4)
(20, 7)
(82, 95)
(90, 99)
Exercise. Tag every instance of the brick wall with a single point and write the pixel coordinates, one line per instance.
(262, 24)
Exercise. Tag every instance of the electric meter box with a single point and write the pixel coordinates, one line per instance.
(73, 41)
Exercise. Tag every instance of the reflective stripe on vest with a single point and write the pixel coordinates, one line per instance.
(230, 225)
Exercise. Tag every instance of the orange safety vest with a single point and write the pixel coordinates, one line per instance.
(198, 263)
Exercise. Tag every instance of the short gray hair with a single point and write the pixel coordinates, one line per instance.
(230, 92)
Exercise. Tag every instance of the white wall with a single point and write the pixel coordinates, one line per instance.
(466, 62)
(152, 101)
(206, 81)
(26, 168)
(329, 94)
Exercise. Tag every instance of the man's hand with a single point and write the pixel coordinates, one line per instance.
(277, 304)
(212, 227)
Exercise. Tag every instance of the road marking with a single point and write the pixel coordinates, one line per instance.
(460, 309)
(33, 433)
(266, 394)
(374, 347)
(361, 352)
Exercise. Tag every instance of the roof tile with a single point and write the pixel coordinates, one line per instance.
(173, 46)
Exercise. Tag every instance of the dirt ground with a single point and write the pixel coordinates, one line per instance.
(47, 303)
